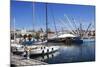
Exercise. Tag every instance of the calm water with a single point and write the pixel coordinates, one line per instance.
(70, 53)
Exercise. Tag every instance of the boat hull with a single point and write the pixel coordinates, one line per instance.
(34, 49)
(46, 50)
(68, 41)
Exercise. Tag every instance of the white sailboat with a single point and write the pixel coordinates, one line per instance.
(43, 49)
(34, 49)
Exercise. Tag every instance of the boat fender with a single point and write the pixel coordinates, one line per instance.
(47, 50)
(44, 47)
(42, 51)
(52, 49)
(16, 49)
(41, 47)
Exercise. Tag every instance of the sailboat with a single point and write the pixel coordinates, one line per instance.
(45, 49)
(65, 37)
(35, 49)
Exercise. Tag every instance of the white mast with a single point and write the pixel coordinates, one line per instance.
(14, 29)
(33, 14)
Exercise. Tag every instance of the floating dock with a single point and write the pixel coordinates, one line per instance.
(17, 60)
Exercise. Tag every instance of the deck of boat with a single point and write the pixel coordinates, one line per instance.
(21, 61)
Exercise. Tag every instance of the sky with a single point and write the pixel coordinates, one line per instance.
(31, 15)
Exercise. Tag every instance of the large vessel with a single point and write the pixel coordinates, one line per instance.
(66, 38)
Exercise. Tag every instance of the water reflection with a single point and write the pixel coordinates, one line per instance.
(71, 53)
(45, 57)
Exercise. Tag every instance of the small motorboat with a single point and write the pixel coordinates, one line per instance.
(33, 49)
(44, 50)
(17, 48)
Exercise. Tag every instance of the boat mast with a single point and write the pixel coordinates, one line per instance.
(88, 28)
(70, 24)
(46, 21)
(54, 22)
(75, 25)
(14, 28)
(33, 14)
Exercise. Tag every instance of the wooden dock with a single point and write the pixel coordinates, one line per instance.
(22, 61)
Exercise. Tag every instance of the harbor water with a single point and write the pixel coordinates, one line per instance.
(69, 53)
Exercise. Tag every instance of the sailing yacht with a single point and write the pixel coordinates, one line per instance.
(34, 48)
